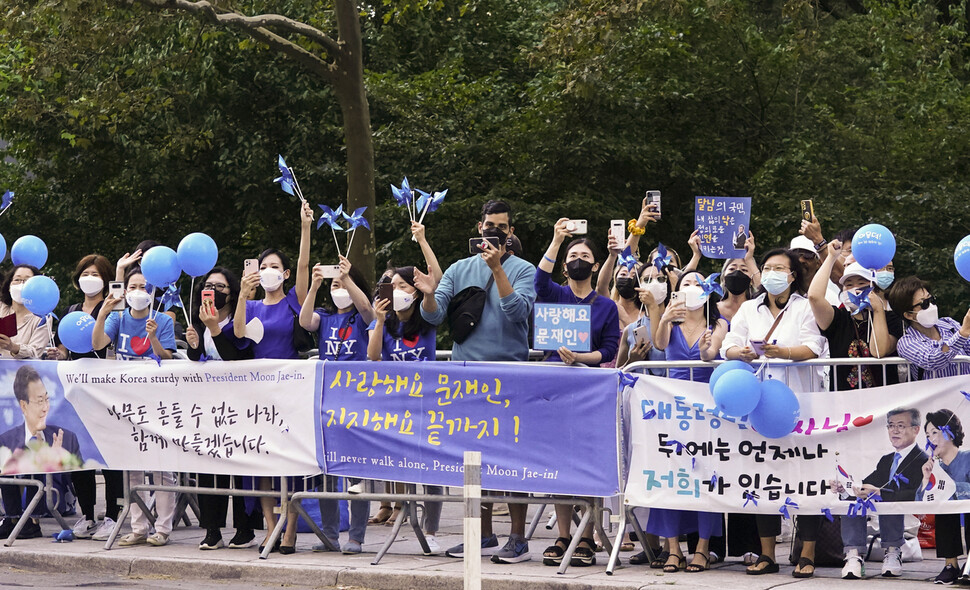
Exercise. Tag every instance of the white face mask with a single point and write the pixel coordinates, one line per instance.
(402, 300)
(270, 279)
(90, 285)
(693, 297)
(658, 290)
(927, 317)
(16, 292)
(847, 303)
(341, 298)
(138, 300)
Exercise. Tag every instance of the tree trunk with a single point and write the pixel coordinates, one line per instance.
(351, 94)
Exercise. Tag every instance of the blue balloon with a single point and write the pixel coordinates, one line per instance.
(737, 392)
(75, 331)
(29, 250)
(160, 266)
(3, 248)
(724, 368)
(961, 258)
(41, 295)
(197, 254)
(873, 246)
(777, 412)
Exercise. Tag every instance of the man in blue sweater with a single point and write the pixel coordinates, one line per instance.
(502, 334)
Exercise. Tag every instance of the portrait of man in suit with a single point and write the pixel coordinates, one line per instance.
(740, 237)
(31, 395)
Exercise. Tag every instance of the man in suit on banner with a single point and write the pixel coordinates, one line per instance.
(31, 394)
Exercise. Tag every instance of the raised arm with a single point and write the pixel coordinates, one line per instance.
(247, 286)
(417, 230)
(647, 214)
(822, 310)
(375, 339)
(559, 234)
(303, 261)
(881, 342)
(695, 247)
(99, 339)
(605, 274)
(750, 262)
(361, 300)
(309, 320)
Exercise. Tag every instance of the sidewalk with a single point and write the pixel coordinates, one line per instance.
(404, 568)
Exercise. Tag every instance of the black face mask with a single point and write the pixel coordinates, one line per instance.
(494, 232)
(626, 288)
(579, 270)
(737, 282)
(219, 299)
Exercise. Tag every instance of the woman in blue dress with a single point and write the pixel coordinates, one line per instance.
(687, 333)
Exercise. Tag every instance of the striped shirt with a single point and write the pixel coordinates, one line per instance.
(927, 357)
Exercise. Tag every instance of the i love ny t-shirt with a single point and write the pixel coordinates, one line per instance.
(131, 338)
(342, 336)
(420, 347)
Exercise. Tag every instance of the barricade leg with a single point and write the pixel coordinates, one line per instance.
(552, 520)
(34, 501)
(598, 510)
(415, 522)
(123, 515)
(615, 553)
(52, 501)
(574, 542)
(406, 507)
(534, 524)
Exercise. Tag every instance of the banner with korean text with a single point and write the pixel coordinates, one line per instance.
(898, 449)
(246, 418)
(540, 428)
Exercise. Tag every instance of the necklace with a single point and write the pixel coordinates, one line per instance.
(691, 330)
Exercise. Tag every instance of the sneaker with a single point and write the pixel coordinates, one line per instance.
(351, 547)
(948, 576)
(433, 547)
(489, 547)
(157, 539)
(500, 509)
(516, 550)
(6, 527)
(212, 540)
(892, 563)
(104, 531)
(84, 528)
(322, 547)
(31, 530)
(854, 568)
(132, 539)
(357, 488)
(242, 539)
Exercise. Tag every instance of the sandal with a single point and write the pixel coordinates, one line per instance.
(771, 568)
(393, 517)
(381, 517)
(553, 553)
(696, 567)
(803, 562)
(672, 568)
(585, 553)
(658, 561)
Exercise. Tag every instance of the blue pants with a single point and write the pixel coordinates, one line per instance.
(854, 535)
(330, 515)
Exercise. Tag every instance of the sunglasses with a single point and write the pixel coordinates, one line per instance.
(926, 303)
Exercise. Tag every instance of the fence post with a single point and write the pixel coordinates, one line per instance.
(473, 520)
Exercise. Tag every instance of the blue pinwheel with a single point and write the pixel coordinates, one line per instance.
(404, 196)
(6, 202)
(287, 180)
(331, 217)
(170, 297)
(662, 259)
(355, 220)
(710, 285)
(626, 259)
(784, 509)
(861, 301)
(430, 203)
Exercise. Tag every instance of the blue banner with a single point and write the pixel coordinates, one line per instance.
(723, 224)
(540, 429)
(561, 324)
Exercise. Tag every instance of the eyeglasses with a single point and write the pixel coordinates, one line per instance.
(216, 286)
(897, 426)
(926, 303)
(46, 401)
(776, 268)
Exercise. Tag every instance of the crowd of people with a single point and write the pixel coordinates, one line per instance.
(797, 302)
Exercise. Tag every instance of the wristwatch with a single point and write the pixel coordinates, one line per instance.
(819, 246)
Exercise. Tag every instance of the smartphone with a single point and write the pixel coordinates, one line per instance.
(678, 297)
(210, 296)
(385, 291)
(758, 346)
(576, 226)
(618, 231)
(330, 271)
(653, 198)
(641, 334)
(250, 266)
(117, 289)
(808, 210)
(475, 244)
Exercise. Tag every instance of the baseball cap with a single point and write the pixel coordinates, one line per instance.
(802, 243)
(857, 270)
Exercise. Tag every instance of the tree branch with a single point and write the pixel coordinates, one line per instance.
(256, 27)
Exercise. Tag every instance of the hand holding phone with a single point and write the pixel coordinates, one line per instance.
(576, 226)
(477, 245)
(385, 291)
(653, 200)
(209, 295)
(116, 290)
(250, 266)
(808, 210)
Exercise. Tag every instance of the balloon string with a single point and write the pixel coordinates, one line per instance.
(191, 293)
(184, 312)
(50, 328)
(151, 308)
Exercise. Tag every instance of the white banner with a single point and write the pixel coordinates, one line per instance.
(686, 455)
(255, 417)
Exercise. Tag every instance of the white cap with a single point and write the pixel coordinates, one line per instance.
(857, 270)
(802, 243)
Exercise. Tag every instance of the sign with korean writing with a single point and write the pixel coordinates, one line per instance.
(686, 454)
(244, 418)
(723, 224)
(561, 324)
(541, 429)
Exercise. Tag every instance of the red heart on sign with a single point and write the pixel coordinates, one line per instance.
(345, 332)
(140, 344)
(862, 421)
(410, 343)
